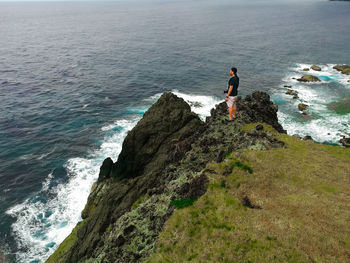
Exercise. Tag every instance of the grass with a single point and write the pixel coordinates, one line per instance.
(183, 203)
(303, 190)
(139, 201)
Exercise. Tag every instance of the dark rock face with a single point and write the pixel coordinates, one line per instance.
(105, 169)
(168, 115)
(163, 159)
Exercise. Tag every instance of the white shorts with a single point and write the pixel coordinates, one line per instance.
(231, 101)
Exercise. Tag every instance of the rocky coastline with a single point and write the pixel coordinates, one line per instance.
(163, 160)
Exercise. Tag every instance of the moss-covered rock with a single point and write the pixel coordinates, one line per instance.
(302, 106)
(309, 78)
(316, 68)
(345, 69)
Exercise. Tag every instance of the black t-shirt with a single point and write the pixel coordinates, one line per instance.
(234, 81)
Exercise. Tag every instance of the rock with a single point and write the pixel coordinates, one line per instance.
(255, 108)
(291, 92)
(306, 69)
(170, 114)
(302, 106)
(195, 104)
(345, 69)
(105, 169)
(308, 78)
(345, 142)
(308, 137)
(287, 86)
(295, 96)
(220, 156)
(259, 127)
(316, 68)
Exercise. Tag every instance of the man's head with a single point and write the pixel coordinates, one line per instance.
(233, 71)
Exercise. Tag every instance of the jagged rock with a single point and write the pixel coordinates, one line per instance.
(255, 108)
(308, 78)
(345, 69)
(302, 106)
(316, 68)
(345, 142)
(307, 137)
(291, 92)
(168, 115)
(105, 169)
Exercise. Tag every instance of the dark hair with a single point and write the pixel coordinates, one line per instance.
(234, 70)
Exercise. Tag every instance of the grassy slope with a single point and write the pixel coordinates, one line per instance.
(304, 193)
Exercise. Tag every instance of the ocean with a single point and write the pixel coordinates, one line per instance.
(75, 77)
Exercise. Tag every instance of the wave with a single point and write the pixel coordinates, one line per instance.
(45, 220)
(323, 124)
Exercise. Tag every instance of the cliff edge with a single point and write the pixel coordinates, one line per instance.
(164, 199)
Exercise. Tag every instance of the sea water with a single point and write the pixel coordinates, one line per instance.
(75, 77)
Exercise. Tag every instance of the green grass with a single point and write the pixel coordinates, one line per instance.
(65, 246)
(303, 190)
(139, 201)
(183, 203)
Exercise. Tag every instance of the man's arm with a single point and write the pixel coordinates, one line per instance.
(229, 91)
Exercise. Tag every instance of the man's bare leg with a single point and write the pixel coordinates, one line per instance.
(230, 111)
(234, 109)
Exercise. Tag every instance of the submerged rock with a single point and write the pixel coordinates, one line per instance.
(340, 107)
(316, 68)
(308, 78)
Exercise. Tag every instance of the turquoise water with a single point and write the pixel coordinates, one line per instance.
(76, 76)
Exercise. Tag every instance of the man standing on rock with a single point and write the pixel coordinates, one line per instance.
(232, 92)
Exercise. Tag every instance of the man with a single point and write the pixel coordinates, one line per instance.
(232, 92)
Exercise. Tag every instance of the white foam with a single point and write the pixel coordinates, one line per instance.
(327, 126)
(37, 234)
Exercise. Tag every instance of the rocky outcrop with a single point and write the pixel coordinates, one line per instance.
(345, 69)
(302, 106)
(163, 159)
(309, 78)
(149, 139)
(316, 68)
